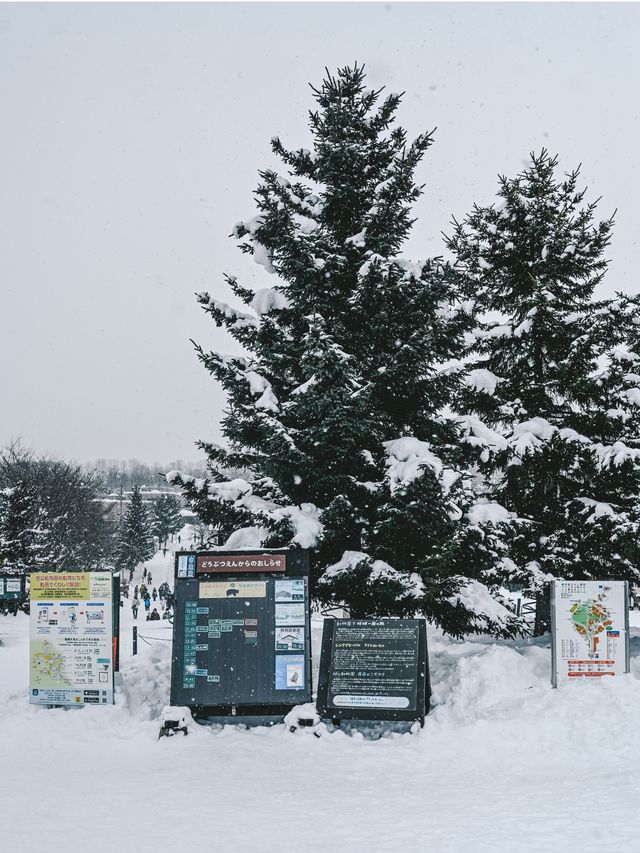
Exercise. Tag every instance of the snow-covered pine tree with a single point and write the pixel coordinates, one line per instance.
(135, 539)
(166, 517)
(552, 390)
(24, 544)
(335, 409)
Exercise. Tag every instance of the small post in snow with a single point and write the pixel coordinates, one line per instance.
(135, 639)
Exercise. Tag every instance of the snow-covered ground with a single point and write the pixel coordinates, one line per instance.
(504, 764)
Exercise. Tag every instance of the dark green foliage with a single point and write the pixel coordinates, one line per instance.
(345, 355)
(50, 516)
(135, 538)
(166, 517)
(565, 405)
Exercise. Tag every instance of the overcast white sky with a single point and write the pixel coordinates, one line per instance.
(131, 136)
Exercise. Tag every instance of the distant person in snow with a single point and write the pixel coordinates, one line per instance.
(153, 616)
(147, 602)
(154, 594)
(149, 577)
(144, 573)
(135, 604)
(135, 591)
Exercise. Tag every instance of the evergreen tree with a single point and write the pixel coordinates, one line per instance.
(550, 384)
(336, 410)
(50, 515)
(23, 533)
(135, 539)
(166, 517)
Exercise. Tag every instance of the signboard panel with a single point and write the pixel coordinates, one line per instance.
(589, 630)
(12, 587)
(231, 651)
(374, 669)
(71, 648)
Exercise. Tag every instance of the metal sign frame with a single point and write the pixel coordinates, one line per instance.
(553, 589)
(423, 680)
(238, 709)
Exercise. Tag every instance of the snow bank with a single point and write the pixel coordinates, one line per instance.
(146, 680)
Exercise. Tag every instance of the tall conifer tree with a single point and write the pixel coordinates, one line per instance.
(135, 539)
(336, 410)
(550, 375)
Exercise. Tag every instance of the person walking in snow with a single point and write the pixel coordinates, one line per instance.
(147, 602)
(154, 594)
(135, 591)
(144, 573)
(149, 578)
(134, 606)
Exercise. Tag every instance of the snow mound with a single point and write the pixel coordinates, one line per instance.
(146, 682)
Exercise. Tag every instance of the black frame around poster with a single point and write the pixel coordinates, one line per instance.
(423, 682)
(239, 707)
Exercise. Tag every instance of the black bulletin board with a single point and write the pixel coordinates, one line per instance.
(242, 641)
(374, 669)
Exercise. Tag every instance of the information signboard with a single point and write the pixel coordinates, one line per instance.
(12, 587)
(71, 649)
(241, 633)
(589, 630)
(374, 669)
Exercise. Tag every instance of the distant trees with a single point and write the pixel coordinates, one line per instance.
(50, 516)
(166, 518)
(114, 474)
(135, 537)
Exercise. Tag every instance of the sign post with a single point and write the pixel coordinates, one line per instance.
(241, 635)
(589, 630)
(71, 648)
(374, 669)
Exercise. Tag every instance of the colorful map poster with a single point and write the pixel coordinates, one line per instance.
(590, 626)
(71, 649)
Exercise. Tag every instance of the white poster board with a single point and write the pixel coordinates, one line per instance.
(71, 648)
(589, 630)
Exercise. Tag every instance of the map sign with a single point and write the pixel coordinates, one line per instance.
(71, 649)
(590, 628)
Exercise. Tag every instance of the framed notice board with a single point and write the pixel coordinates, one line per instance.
(71, 650)
(589, 630)
(12, 587)
(241, 633)
(374, 669)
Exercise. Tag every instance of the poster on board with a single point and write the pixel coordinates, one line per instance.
(589, 630)
(71, 639)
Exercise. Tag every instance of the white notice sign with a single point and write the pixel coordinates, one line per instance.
(589, 630)
(71, 649)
